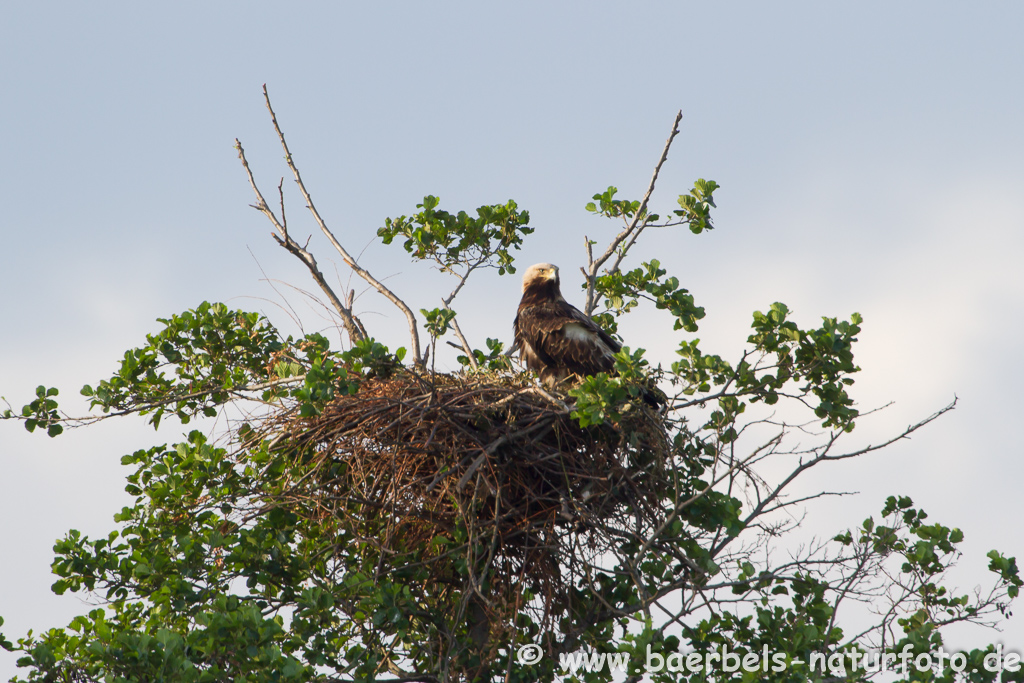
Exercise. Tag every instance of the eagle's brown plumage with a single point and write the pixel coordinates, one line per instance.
(555, 338)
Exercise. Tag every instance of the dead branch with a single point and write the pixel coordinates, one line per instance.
(351, 324)
(349, 261)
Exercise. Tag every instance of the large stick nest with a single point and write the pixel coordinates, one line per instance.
(492, 466)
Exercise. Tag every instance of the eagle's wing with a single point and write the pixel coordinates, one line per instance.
(535, 325)
(563, 338)
(592, 327)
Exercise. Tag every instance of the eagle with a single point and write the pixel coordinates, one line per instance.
(555, 338)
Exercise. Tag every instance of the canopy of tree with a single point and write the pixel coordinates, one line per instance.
(360, 516)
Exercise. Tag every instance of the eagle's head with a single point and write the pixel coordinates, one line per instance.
(539, 274)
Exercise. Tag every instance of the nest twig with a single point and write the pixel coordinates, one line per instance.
(483, 467)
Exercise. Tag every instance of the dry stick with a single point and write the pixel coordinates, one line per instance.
(284, 239)
(349, 261)
(632, 231)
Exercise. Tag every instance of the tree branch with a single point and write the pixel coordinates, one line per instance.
(824, 455)
(352, 325)
(349, 261)
(465, 344)
(632, 231)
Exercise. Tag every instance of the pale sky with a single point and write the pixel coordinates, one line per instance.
(871, 159)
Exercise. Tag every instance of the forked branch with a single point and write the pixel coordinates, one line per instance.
(630, 233)
(353, 326)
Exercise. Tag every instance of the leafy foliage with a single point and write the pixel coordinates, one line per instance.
(438, 321)
(694, 207)
(493, 359)
(211, 350)
(623, 291)
(42, 412)
(454, 239)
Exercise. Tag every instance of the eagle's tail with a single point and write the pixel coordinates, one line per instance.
(653, 396)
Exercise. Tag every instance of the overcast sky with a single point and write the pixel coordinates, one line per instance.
(871, 159)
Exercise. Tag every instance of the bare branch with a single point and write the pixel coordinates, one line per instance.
(823, 455)
(352, 326)
(284, 218)
(349, 261)
(462, 279)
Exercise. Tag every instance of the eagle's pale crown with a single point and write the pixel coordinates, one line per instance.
(539, 271)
